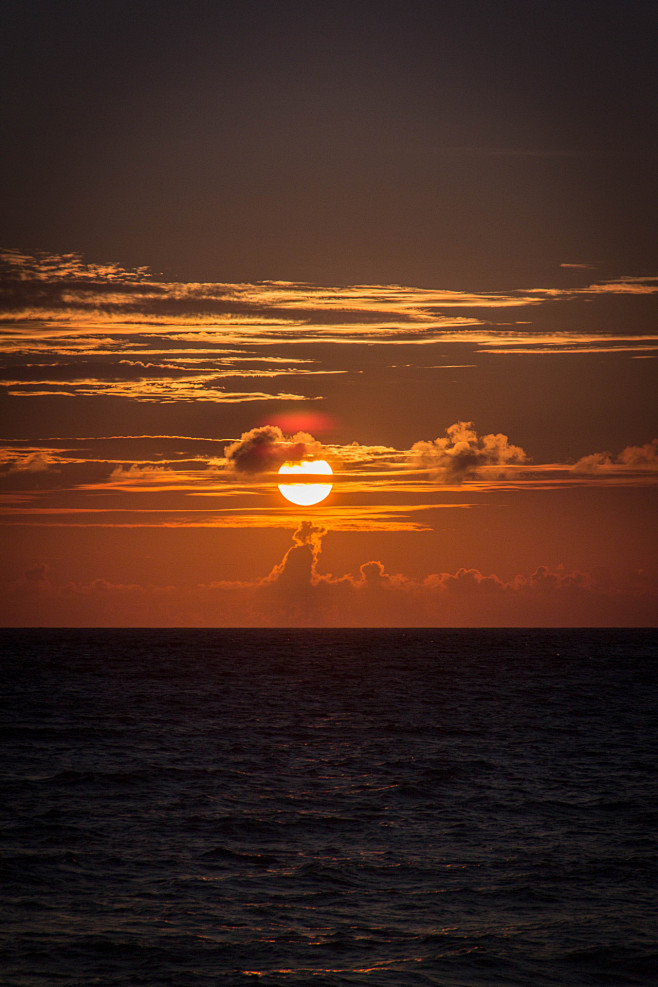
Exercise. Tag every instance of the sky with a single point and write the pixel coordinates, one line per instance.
(416, 240)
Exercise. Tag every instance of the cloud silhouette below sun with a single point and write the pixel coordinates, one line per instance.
(296, 593)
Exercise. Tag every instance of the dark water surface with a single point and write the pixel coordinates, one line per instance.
(462, 808)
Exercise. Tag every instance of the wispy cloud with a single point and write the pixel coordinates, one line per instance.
(191, 389)
(73, 329)
(174, 481)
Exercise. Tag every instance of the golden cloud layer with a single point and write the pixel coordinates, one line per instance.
(159, 480)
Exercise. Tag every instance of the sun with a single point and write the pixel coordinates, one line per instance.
(307, 492)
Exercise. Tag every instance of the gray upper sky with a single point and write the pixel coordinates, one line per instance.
(434, 143)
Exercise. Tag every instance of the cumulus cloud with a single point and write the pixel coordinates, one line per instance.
(297, 593)
(595, 463)
(266, 447)
(309, 535)
(296, 577)
(461, 453)
(643, 457)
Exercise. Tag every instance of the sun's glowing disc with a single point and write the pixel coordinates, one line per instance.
(308, 492)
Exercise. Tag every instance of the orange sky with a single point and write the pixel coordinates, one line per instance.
(494, 453)
(414, 239)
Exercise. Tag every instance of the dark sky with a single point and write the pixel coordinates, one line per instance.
(462, 144)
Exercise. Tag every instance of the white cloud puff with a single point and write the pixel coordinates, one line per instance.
(643, 457)
(461, 453)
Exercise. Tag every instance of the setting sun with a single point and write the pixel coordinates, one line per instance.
(307, 492)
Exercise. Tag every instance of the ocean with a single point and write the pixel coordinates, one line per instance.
(463, 808)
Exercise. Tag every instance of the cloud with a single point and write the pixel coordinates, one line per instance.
(143, 383)
(37, 577)
(84, 370)
(163, 481)
(44, 266)
(624, 286)
(136, 370)
(34, 462)
(462, 453)
(297, 593)
(137, 472)
(265, 448)
(595, 463)
(58, 304)
(296, 577)
(640, 458)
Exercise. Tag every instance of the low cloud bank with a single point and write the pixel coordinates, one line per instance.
(296, 593)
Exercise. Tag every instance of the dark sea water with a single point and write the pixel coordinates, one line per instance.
(462, 808)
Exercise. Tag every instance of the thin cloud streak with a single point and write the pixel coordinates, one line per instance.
(381, 489)
(378, 518)
(157, 343)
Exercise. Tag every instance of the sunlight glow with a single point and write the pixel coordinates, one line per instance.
(306, 493)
